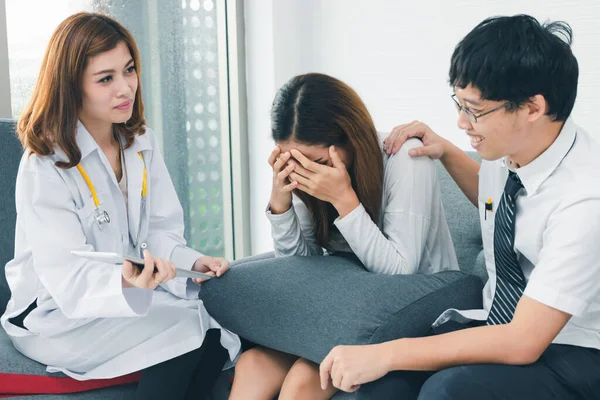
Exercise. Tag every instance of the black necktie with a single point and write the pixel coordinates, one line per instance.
(510, 281)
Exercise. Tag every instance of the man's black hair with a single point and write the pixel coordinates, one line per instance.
(515, 58)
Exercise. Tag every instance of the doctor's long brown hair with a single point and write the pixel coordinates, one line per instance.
(317, 109)
(50, 118)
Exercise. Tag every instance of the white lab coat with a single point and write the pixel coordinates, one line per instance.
(86, 325)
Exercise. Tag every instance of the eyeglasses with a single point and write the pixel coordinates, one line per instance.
(470, 114)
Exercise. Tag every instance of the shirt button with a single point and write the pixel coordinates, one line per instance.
(144, 246)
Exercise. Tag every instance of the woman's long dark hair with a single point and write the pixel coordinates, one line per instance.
(317, 109)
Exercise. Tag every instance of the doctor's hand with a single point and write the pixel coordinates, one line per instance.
(155, 272)
(434, 145)
(281, 193)
(351, 366)
(330, 184)
(215, 266)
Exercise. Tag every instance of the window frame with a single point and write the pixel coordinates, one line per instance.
(5, 104)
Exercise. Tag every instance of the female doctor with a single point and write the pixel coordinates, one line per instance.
(92, 179)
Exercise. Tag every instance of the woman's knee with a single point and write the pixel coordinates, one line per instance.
(258, 362)
(260, 373)
(302, 377)
(254, 359)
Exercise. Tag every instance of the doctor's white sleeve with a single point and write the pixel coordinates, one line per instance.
(81, 288)
(166, 228)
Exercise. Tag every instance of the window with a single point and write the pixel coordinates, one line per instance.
(185, 80)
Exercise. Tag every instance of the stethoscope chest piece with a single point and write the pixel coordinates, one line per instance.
(102, 217)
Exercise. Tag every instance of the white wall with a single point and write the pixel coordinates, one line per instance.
(396, 55)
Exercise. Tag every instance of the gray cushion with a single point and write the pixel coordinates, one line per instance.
(9, 164)
(13, 362)
(307, 305)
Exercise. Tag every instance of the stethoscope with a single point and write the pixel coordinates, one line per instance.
(100, 215)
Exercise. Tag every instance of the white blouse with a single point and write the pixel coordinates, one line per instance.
(411, 235)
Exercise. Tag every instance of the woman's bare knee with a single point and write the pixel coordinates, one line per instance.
(260, 358)
(251, 359)
(302, 382)
(259, 373)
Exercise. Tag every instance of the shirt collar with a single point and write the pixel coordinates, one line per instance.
(85, 141)
(87, 144)
(536, 172)
(140, 143)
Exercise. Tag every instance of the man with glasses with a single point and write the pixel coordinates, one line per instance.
(538, 194)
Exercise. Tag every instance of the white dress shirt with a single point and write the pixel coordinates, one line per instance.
(411, 236)
(557, 233)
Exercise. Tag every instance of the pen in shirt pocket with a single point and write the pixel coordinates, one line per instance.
(488, 207)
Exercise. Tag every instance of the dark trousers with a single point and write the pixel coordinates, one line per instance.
(189, 376)
(562, 372)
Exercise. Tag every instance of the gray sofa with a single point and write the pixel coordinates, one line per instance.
(462, 219)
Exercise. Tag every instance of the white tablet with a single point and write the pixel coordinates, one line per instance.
(114, 258)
